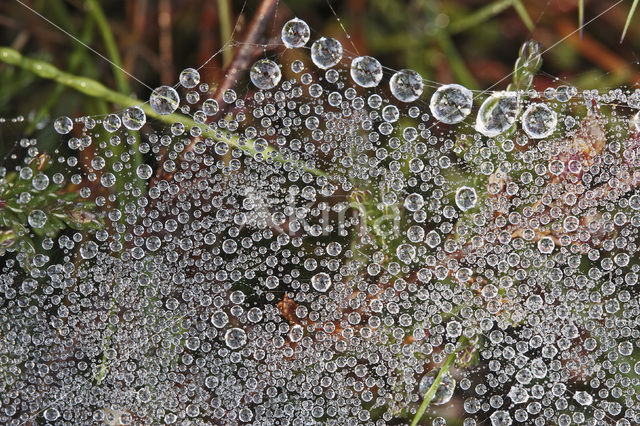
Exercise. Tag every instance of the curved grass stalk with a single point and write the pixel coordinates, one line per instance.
(96, 89)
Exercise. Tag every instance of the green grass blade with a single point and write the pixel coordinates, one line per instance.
(524, 15)
(110, 43)
(626, 25)
(97, 90)
(480, 16)
(581, 17)
(226, 30)
(428, 397)
(456, 62)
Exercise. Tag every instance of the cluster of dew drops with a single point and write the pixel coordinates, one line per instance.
(314, 250)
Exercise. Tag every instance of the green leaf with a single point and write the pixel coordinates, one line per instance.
(631, 12)
(524, 15)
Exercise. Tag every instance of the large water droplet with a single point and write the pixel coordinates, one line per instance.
(497, 113)
(583, 398)
(63, 125)
(37, 219)
(134, 118)
(451, 103)
(546, 245)
(406, 85)
(144, 171)
(366, 71)
(539, 121)
(466, 198)
(326, 52)
(444, 391)
(321, 281)
(164, 100)
(189, 78)
(235, 338)
(111, 123)
(501, 418)
(265, 74)
(295, 33)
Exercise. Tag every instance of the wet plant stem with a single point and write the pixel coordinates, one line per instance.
(431, 392)
(97, 90)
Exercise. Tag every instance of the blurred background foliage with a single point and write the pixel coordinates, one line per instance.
(471, 42)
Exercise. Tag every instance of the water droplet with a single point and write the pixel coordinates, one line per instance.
(265, 74)
(406, 253)
(51, 414)
(111, 123)
(144, 171)
(444, 393)
(583, 398)
(210, 107)
(497, 113)
(164, 100)
(433, 239)
(134, 118)
(466, 198)
(413, 202)
(390, 113)
(321, 281)
(40, 182)
(235, 338)
(63, 125)
(295, 33)
(326, 52)
(366, 71)
(636, 121)
(451, 103)
(89, 250)
(406, 85)
(189, 78)
(539, 121)
(546, 245)
(501, 418)
(37, 219)
(219, 319)
(296, 333)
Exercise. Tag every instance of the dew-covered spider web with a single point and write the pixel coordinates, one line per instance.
(331, 241)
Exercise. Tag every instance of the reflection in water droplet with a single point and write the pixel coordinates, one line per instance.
(466, 198)
(497, 113)
(295, 33)
(326, 52)
(321, 281)
(539, 121)
(444, 393)
(164, 100)
(366, 71)
(265, 74)
(451, 103)
(406, 85)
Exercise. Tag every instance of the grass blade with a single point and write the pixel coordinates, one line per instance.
(581, 16)
(97, 90)
(524, 15)
(626, 25)
(480, 16)
(110, 44)
(428, 397)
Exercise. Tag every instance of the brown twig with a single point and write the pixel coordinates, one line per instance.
(241, 61)
(246, 52)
